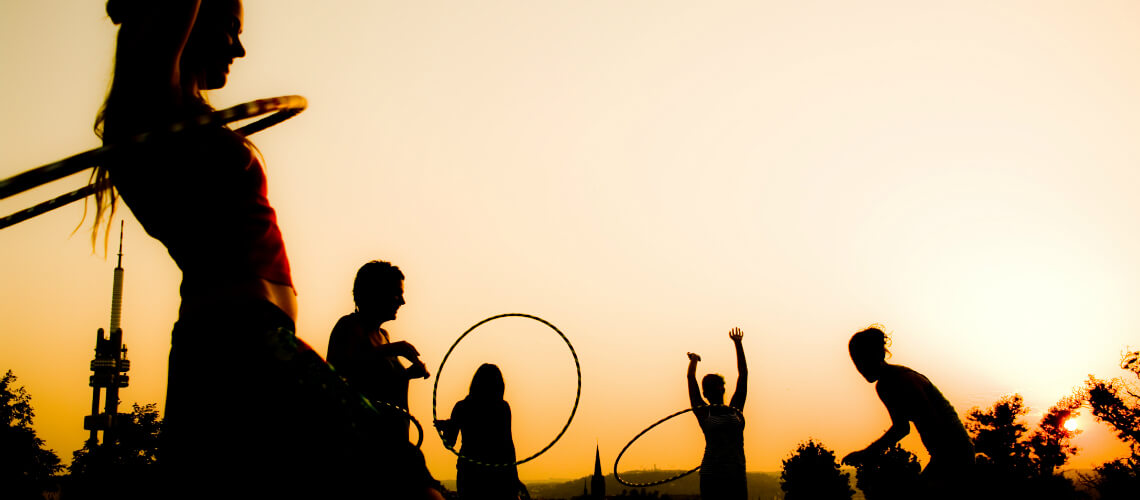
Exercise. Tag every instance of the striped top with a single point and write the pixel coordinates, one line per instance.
(724, 439)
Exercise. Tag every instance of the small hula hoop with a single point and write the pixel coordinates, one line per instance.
(420, 428)
(283, 108)
(642, 433)
(439, 374)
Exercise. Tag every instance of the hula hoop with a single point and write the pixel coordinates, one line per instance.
(439, 374)
(420, 428)
(642, 433)
(283, 108)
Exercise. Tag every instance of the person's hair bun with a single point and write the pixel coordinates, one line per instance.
(119, 10)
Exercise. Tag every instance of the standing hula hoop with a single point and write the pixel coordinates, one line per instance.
(642, 433)
(283, 108)
(419, 428)
(439, 374)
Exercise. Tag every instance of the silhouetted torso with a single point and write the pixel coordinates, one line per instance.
(352, 352)
(203, 195)
(485, 427)
(938, 425)
(724, 438)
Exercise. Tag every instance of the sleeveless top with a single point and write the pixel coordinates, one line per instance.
(935, 419)
(724, 439)
(202, 194)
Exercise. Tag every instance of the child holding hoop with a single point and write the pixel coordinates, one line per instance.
(484, 419)
(251, 411)
(722, 467)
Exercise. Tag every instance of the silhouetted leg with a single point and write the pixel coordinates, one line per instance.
(252, 412)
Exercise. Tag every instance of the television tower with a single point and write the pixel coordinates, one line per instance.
(110, 364)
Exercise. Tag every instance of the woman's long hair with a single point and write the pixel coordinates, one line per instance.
(487, 384)
(193, 99)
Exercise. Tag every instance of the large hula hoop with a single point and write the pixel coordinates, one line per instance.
(642, 433)
(283, 108)
(439, 374)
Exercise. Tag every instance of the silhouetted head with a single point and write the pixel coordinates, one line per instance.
(214, 43)
(868, 350)
(713, 387)
(212, 46)
(378, 290)
(487, 384)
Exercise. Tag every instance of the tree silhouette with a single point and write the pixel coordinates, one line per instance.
(1116, 402)
(890, 475)
(998, 434)
(127, 467)
(1016, 464)
(1051, 443)
(812, 473)
(24, 462)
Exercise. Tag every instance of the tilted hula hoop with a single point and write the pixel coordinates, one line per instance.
(647, 429)
(283, 108)
(439, 374)
(420, 428)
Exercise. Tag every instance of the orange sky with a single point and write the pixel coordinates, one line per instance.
(644, 175)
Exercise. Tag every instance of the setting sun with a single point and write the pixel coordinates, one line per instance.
(1071, 424)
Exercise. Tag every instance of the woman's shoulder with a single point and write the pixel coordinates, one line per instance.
(897, 378)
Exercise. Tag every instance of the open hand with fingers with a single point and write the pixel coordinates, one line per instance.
(736, 334)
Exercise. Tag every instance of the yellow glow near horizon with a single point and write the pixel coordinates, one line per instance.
(1071, 424)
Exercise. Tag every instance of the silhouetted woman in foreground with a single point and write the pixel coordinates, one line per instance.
(910, 397)
(722, 467)
(484, 420)
(251, 411)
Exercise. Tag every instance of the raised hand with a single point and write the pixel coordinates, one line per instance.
(694, 357)
(736, 334)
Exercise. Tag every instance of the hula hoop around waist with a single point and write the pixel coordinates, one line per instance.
(283, 108)
(377, 403)
(642, 433)
(439, 374)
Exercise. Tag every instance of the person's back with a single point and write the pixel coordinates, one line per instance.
(485, 469)
(486, 430)
(933, 416)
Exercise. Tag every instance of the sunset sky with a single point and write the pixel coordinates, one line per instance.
(645, 175)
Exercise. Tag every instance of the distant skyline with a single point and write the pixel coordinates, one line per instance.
(645, 176)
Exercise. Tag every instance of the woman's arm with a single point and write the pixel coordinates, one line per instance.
(900, 427)
(695, 399)
(403, 349)
(450, 428)
(741, 392)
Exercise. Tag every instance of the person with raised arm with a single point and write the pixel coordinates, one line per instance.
(722, 467)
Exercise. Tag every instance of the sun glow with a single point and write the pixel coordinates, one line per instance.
(1071, 424)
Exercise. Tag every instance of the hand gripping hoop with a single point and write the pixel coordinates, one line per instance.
(283, 108)
(439, 374)
(647, 429)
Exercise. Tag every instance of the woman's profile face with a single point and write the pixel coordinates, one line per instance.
(214, 43)
(869, 366)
